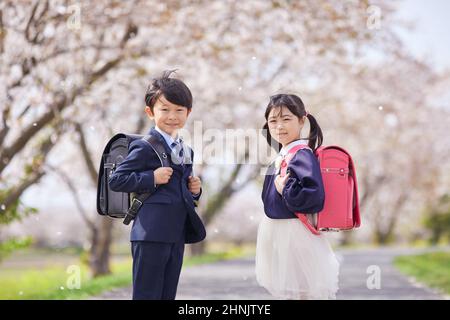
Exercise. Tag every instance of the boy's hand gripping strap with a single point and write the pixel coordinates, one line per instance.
(139, 199)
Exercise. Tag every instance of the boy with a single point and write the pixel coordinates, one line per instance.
(167, 219)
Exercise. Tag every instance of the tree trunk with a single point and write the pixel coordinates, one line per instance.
(383, 238)
(435, 236)
(346, 238)
(100, 249)
(198, 248)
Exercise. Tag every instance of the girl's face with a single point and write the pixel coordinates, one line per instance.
(284, 126)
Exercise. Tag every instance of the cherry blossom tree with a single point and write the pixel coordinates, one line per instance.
(72, 74)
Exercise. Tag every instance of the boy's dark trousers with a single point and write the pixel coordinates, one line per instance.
(156, 269)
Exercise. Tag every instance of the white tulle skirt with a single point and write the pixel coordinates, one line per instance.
(293, 263)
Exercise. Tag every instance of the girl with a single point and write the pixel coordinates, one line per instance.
(291, 262)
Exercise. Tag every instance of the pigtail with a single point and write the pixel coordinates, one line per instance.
(315, 133)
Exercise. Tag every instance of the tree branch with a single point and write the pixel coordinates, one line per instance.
(62, 102)
(86, 154)
(5, 128)
(37, 171)
(36, 22)
(2, 33)
(227, 190)
(76, 198)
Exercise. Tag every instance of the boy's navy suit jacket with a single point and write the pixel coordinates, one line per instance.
(168, 214)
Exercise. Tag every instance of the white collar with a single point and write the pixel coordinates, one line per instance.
(167, 137)
(292, 144)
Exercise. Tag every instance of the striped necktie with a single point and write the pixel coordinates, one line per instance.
(177, 152)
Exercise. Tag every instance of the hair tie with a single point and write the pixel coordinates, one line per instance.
(306, 115)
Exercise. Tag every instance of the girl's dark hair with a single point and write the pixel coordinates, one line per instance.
(174, 90)
(296, 106)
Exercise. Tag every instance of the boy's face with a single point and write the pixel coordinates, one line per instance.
(168, 117)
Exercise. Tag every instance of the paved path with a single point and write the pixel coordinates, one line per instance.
(235, 279)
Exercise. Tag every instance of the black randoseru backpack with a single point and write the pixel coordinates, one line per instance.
(121, 204)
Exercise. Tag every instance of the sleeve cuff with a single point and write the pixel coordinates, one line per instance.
(150, 185)
(196, 197)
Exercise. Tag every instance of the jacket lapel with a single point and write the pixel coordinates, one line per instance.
(154, 132)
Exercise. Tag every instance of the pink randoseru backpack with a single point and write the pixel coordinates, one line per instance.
(341, 208)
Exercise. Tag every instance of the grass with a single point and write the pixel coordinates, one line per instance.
(51, 282)
(432, 269)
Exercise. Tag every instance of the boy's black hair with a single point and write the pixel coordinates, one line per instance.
(174, 90)
(296, 106)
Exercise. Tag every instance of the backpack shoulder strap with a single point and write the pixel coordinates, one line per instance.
(291, 153)
(158, 147)
(294, 149)
(138, 200)
(284, 165)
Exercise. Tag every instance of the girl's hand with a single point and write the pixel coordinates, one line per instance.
(280, 182)
(162, 175)
(194, 184)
